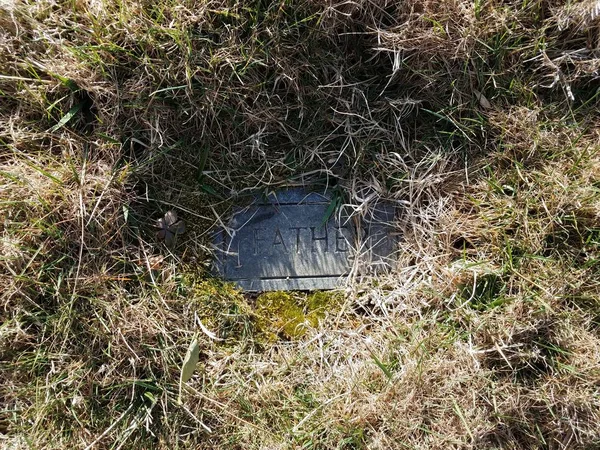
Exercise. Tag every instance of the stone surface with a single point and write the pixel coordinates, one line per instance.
(284, 243)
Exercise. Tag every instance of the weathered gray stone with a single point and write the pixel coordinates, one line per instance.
(284, 242)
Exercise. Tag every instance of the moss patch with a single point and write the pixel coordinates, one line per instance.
(290, 315)
(278, 314)
(222, 307)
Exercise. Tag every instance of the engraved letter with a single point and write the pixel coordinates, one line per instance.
(315, 239)
(298, 236)
(278, 240)
(257, 239)
(341, 245)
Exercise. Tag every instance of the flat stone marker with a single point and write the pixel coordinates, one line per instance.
(284, 242)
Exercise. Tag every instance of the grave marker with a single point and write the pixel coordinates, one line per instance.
(285, 243)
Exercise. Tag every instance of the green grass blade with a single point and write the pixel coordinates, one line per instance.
(65, 119)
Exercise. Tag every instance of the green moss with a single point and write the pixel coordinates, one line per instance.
(223, 309)
(320, 303)
(280, 313)
(290, 315)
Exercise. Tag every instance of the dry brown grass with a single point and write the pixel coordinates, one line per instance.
(478, 119)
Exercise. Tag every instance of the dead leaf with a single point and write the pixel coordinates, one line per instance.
(483, 101)
(189, 362)
(169, 227)
(188, 366)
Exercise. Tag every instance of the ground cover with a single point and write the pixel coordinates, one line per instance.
(478, 119)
